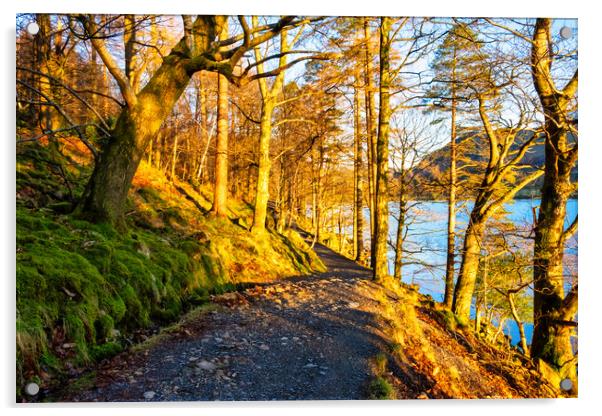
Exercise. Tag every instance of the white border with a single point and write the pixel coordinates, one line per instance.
(590, 203)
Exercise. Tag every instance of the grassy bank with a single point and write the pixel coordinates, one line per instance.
(85, 290)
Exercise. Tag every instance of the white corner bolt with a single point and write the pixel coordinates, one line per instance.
(33, 28)
(32, 389)
(566, 384)
(566, 32)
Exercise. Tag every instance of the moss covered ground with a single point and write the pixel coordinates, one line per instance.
(85, 289)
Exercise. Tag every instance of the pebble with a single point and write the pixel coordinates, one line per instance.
(148, 395)
(354, 305)
(206, 365)
(264, 347)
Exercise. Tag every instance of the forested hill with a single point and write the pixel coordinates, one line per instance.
(430, 175)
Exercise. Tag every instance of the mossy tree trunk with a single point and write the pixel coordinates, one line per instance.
(554, 310)
(106, 193)
(145, 111)
(381, 229)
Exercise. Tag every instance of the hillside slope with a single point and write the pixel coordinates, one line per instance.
(86, 291)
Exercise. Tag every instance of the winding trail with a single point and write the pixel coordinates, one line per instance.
(303, 338)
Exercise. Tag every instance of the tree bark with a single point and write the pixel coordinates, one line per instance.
(106, 192)
(220, 194)
(451, 207)
(269, 96)
(370, 135)
(381, 230)
(204, 126)
(358, 215)
(397, 269)
(174, 151)
(263, 172)
(552, 307)
(471, 254)
(519, 323)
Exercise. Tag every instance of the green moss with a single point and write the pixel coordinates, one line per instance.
(451, 321)
(380, 389)
(106, 350)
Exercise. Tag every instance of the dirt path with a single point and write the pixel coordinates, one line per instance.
(305, 338)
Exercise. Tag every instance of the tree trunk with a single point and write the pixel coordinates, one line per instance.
(553, 309)
(370, 135)
(220, 194)
(358, 215)
(268, 96)
(204, 125)
(48, 60)
(106, 193)
(519, 323)
(381, 230)
(451, 212)
(397, 269)
(174, 154)
(469, 268)
(263, 172)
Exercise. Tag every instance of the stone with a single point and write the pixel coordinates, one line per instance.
(148, 395)
(206, 365)
(354, 305)
(264, 347)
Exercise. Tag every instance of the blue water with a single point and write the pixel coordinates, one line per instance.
(426, 243)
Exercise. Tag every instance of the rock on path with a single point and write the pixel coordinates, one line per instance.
(301, 339)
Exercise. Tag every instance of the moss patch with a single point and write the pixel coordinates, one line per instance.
(380, 389)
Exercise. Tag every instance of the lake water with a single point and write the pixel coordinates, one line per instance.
(426, 243)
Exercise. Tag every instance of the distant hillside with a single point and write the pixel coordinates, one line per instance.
(431, 175)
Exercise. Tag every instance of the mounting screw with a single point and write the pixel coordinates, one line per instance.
(566, 32)
(33, 28)
(32, 389)
(566, 384)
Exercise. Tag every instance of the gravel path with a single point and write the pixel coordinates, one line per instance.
(304, 338)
